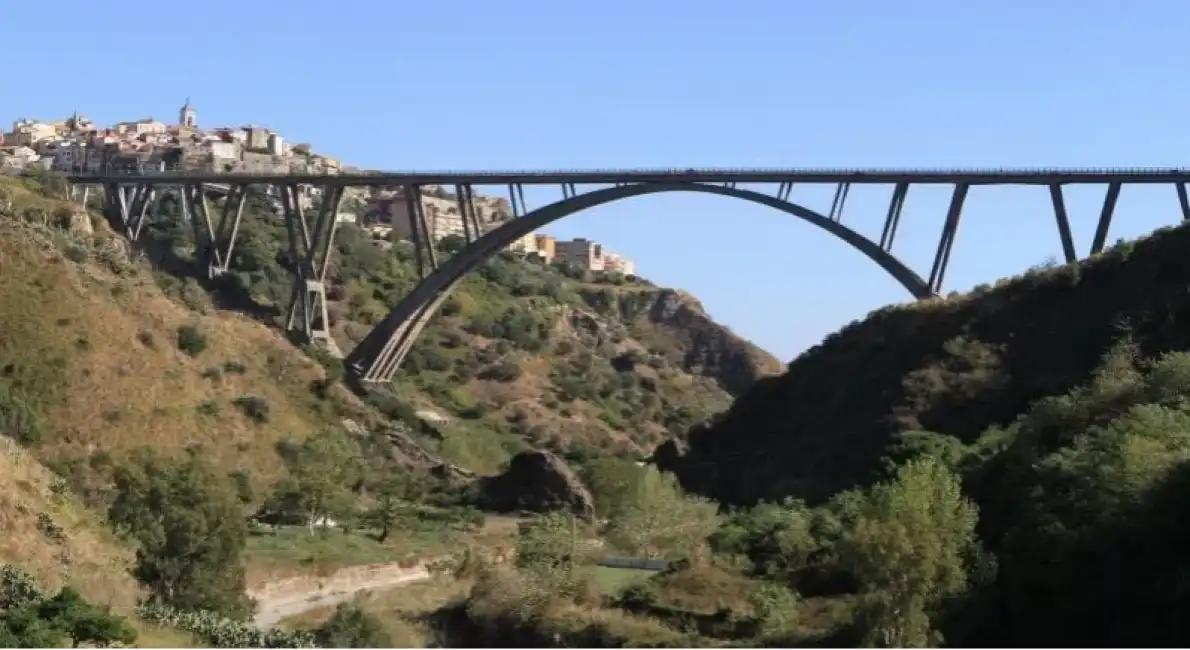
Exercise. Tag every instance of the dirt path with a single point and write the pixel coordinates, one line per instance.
(284, 598)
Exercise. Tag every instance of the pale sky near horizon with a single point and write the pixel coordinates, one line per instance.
(529, 84)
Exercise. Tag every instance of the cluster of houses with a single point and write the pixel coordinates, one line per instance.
(76, 144)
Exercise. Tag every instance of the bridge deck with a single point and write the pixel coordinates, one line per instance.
(1024, 176)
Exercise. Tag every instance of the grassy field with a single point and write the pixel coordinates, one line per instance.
(613, 580)
(292, 550)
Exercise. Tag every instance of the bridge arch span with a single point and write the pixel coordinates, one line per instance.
(377, 357)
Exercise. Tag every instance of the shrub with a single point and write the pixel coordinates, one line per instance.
(191, 340)
(222, 632)
(256, 408)
(351, 627)
(506, 370)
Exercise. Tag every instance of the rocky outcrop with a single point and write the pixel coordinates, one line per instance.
(404, 444)
(691, 338)
(538, 481)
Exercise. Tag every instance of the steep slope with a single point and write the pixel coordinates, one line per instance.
(45, 531)
(97, 359)
(954, 366)
(522, 355)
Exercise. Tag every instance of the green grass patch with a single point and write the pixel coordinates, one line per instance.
(482, 446)
(613, 580)
(294, 549)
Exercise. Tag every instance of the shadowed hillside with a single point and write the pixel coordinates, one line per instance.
(955, 366)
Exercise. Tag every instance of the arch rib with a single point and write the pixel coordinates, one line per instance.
(377, 357)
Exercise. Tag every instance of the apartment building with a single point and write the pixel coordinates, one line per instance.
(526, 245)
(583, 253)
(443, 217)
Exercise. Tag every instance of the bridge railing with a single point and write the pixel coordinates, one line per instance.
(629, 172)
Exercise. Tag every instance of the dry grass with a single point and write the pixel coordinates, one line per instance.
(617, 626)
(127, 382)
(86, 555)
(401, 609)
(705, 589)
(505, 598)
(99, 354)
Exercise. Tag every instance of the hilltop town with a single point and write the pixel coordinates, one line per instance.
(76, 144)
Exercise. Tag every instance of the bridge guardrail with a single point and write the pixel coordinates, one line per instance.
(628, 172)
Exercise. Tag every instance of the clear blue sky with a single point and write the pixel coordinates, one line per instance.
(676, 83)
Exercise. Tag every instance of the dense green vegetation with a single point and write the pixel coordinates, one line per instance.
(1058, 402)
(30, 618)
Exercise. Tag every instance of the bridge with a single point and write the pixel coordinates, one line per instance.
(130, 196)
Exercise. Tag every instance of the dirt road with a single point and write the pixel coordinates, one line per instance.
(284, 598)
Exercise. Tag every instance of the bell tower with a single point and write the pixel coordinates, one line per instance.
(187, 116)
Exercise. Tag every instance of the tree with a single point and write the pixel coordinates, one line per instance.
(396, 493)
(909, 549)
(190, 532)
(656, 518)
(23, 628)
(545, 542)
(611, 481)
(322, 472)
(545, 556)
(352, 627)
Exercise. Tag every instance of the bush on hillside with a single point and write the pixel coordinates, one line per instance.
(30, 619)
(186, 520)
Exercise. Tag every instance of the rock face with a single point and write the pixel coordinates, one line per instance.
(538, 481)
(695, 341)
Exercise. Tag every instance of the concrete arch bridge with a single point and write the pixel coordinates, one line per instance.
(129, 201)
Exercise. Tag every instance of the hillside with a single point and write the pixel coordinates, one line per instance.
(1022, 452)
(956, 366)
(522, 355)
(106, 348)
(1059, 399)
(98, 359)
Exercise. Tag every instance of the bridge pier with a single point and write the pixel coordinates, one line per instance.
(424, 253)
(214, 241)
(893, 218)
(126, 207)
(471, 227)
(310, 246)
(950, 230)
(80, 194)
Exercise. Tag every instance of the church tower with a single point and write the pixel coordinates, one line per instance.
(187, 116)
